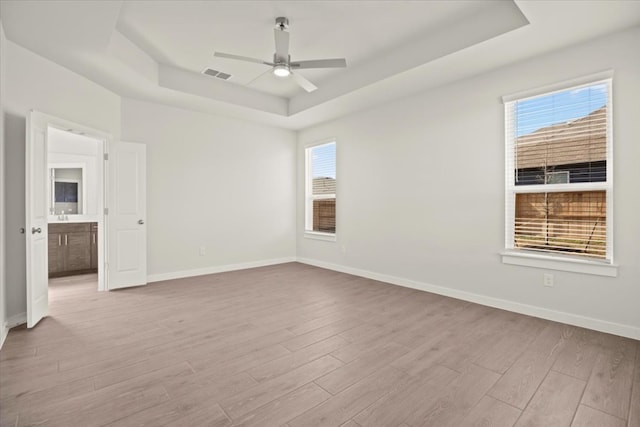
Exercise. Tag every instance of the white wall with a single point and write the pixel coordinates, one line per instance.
(32, 82)
(3, 298)
(224, 184)
(421, 191)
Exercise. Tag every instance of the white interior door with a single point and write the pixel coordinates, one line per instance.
(127, 215)
(36, 219)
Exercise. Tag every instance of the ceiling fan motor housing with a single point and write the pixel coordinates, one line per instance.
(282, 23)
(280, 61)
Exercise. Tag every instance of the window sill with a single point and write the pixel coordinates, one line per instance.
(551, 262)
(317, 235)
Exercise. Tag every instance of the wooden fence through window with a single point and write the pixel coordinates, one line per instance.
(324, 215)
(569, 222)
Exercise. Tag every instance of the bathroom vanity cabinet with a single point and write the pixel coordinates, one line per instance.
(73, 248)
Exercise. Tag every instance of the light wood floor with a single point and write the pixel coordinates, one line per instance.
(300, 346)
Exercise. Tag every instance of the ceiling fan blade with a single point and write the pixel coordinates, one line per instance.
(241, 58)
(282, 44)
(320, 63)
(303, 83)
(259, 75)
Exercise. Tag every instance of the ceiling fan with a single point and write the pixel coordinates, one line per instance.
(282, 66)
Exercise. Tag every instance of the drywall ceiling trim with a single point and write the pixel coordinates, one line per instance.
(200, 85)
(131, 55)
(133, 34)
(499, 19)
(495, 19)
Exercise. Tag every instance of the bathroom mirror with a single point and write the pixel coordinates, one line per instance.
(66, 191)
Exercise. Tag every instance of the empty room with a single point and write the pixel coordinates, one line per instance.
(320, 213)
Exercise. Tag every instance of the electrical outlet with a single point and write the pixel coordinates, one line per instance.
(203, 250)
(548, 280)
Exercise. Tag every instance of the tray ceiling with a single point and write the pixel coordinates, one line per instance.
(156, 50)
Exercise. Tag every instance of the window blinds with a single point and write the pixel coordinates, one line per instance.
(322, 197)
(564, 222)
(558, 161)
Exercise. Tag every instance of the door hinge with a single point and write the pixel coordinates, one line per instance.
(106, 211)
(106, 156)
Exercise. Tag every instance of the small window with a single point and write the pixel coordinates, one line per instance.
(559, 189)
(321, 188)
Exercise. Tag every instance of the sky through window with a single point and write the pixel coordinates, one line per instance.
(324, 161)
(535, 113)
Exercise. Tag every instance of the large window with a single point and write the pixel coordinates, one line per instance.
(320, 209)
(559, 188)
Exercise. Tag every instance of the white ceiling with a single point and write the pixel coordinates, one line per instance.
(155, 50)
(356, 30)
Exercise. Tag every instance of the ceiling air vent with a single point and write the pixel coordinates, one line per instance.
(216, 73)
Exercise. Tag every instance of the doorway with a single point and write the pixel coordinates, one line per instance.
(75, 195)
(123, 182)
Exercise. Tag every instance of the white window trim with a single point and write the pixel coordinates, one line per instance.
(319, 235)
(557, 262)
(559, 86)
(523, 257)
(309, 197)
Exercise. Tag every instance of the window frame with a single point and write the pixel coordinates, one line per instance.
(550, 260)
(309, 197)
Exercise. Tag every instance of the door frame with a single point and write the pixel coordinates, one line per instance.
(104, 139)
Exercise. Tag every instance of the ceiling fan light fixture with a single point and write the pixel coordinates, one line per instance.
(281, 64)
(281, 71)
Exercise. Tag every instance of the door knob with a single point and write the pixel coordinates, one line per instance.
(36, 230)
(140, 222)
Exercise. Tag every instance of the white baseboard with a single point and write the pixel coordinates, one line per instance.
(15, 320)
(530, 310)
(11, 322)
(217, 269)
(4, 331)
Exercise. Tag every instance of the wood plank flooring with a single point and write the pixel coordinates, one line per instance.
(298, 346)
